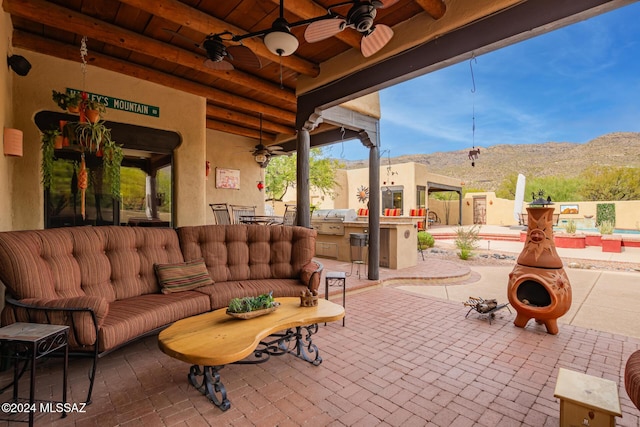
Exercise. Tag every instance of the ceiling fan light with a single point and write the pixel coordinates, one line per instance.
(281, 43)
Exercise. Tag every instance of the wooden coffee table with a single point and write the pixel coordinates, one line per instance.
(215, 339)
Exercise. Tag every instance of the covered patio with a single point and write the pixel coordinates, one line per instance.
(402, 359)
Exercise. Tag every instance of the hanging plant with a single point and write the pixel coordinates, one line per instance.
(67, 101)
(48, 149)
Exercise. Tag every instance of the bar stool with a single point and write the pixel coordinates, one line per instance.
(336, 278)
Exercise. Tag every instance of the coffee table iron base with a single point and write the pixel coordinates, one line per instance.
(303, 348)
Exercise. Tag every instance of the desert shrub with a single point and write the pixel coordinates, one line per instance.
(467, 241)
(606, 227)
(425, 240)
(570, 227)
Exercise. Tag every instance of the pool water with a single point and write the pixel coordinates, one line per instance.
(588, 226)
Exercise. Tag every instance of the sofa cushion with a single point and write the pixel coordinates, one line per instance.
(182, 276)
(223, 292)
(138, 315)
(249, 252)
(83, 330)
(132, 252)
(27, 267)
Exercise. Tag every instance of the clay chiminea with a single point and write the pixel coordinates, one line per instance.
(538, 285)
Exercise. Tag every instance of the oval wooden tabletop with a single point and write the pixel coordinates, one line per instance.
(215, 338)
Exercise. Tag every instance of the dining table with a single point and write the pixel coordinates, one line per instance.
(261, 219)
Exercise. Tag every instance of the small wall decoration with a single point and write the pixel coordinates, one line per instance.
(569, 209)
(362, 194)
(12, 142)
(228, 178)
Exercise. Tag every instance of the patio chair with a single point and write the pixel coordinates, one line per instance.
(421, 212)
(432, 218)
(221, 213)
(238, 211)
(290, 215)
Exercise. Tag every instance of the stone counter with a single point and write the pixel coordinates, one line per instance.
(398, 242)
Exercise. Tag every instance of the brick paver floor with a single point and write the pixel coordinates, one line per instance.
(402, 360)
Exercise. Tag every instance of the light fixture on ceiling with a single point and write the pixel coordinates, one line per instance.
(261, 159)
(19, 64)
(280, 41)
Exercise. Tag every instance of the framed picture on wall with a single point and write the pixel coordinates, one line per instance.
(569, 209)
(228, 178)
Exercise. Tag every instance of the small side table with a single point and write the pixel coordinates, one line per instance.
(586, 400)
(336, 278)
(29, 342)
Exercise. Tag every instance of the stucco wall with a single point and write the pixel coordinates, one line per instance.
(233, 152)
(179, 112)
(500, 211)
(6, 120)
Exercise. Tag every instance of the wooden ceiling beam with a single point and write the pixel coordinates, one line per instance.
(238, 130)
(248, 120)
(435, 8)
(45, 46)
(307, 9)
(181, 14)
(68, 20)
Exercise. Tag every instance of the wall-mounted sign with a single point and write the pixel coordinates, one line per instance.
(122, 104)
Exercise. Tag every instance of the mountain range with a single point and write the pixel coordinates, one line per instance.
(496, 162)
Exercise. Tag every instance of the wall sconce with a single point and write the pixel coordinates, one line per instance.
(468, 204)
(12, 142)
(19, 64)
(207, 169)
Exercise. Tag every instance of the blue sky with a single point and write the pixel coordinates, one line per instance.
(570, 85)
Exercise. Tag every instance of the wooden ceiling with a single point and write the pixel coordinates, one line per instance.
(157, 40)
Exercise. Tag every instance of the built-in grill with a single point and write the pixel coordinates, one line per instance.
(331, 221)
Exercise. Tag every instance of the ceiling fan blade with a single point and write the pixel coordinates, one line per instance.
(279, 153)
(218, 65)
(375, 40)
(245, 56)
(274, 147)
(388, 3)
(321, 30)
(183, 38)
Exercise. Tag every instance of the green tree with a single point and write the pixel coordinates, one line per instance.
(281, 174)
(610, 183)
(558, 187)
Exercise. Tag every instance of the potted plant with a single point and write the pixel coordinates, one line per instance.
(66, 101)
(610, 243)
(93, 110)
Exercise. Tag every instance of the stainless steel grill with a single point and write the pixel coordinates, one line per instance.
(331, 221)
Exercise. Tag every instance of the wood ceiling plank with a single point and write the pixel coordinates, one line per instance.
(435, 8)
(238, 130)
(53, 15)
(248, 120)
(53, 48)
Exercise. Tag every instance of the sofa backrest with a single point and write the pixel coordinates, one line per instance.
(108, 261)
(242, 252)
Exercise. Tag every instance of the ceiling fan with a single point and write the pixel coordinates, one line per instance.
(262, 153)
(219, 54)
(360, 17)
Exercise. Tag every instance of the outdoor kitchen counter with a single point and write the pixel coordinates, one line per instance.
(398, 240)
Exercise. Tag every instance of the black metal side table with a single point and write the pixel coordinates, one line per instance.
(336, 278)
(28, 342)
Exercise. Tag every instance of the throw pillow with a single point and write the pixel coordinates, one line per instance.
(182, 276)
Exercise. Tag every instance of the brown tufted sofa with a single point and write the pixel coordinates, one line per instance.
(101, 280)
(632, 378)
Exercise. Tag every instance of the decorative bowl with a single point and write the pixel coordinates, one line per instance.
(254, 313)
